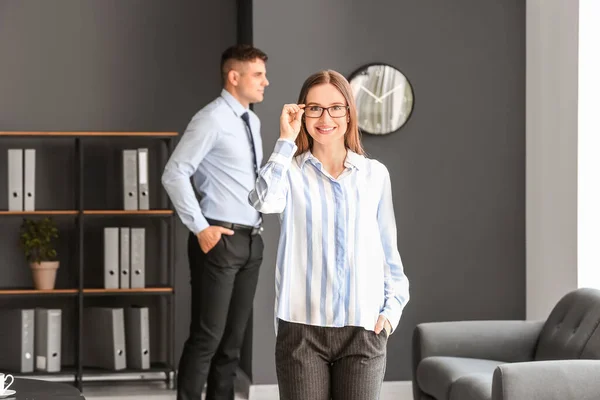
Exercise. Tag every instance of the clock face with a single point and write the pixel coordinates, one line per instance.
(384, 98)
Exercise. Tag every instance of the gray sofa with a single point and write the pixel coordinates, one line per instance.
(556, 359)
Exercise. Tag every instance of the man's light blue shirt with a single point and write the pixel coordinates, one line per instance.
(214, 158)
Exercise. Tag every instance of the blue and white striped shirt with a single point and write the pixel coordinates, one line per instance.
(337, 262)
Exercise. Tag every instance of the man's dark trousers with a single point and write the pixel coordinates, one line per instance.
(223, 286)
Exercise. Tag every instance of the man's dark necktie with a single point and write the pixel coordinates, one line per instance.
(246, 118)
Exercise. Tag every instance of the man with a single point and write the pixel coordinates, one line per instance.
(208, 178)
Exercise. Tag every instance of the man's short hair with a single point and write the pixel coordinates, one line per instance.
(239, 52)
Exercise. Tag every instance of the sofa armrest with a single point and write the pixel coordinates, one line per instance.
(510, 341)
(547, 380)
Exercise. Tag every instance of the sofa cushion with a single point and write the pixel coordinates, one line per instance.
(436, 375)
(570, 326)
(472, 387)
(591, 351)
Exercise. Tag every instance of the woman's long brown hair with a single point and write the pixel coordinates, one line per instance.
(352, 137)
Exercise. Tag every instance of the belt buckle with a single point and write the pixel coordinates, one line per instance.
(257, 230)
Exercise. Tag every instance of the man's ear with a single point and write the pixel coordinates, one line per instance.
(233, 77)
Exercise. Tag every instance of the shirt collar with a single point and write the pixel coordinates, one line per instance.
(353, 160)
(235, 105)
(302, 158)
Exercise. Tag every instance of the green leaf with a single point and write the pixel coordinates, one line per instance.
(36, 239)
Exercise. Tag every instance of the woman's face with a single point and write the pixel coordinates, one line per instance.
(326, 114)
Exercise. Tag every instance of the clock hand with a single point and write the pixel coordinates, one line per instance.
(390, 92)
(377, 99)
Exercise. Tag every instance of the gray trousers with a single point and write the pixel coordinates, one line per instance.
(323, 363)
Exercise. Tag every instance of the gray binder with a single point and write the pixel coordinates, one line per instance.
(143, 194)
(125, 258)
(111, 258)
(29, 177)
(48, 339)
(15, 179)
(130, 190)
(104, 338)
(138, 257)
(137, 337)
(17, 335)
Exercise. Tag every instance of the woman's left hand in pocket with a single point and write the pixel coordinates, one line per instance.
(383, 323)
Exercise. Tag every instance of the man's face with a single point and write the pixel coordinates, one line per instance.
(252, 81)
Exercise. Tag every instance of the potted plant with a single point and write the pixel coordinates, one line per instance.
(37, 241)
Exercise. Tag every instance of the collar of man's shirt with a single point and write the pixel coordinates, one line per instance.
(235, 105)
(352, 160)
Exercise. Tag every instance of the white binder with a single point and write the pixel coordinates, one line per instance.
(143, 185)
(104, 338)
(130, 187)
(29, 180)
(138, 257)
(125, 258)
(48, 339)
(17, 335)
(111, 258)
(137, 337)
(15, 179)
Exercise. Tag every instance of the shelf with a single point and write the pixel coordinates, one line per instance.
(128, 213)
(66, 374)
(89, 292)
(157, 371)
(75, 295)
(89, 134)
(135, 291)
(35, 292)
(160, 213)
(40, 212)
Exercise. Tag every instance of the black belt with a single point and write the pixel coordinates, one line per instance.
(252, 230)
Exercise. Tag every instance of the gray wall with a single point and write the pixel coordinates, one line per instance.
(457, 167)
(111, 65)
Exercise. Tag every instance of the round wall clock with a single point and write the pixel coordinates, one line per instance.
(384, 98)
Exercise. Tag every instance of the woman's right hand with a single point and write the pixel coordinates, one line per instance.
(290, 121)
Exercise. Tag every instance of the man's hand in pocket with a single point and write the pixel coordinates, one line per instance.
(209, 237)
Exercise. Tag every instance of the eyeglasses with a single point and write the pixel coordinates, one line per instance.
(336, 111)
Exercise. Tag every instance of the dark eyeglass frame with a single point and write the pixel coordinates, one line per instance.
(347, 108)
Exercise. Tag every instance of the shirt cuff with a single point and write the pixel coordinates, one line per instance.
(392, 312)
(284, 151)
(198, 226)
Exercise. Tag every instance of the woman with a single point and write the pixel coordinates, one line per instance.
(340, 284)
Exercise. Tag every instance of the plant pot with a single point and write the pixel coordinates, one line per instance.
(44, 274)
